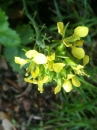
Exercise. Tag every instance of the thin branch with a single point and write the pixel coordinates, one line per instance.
(31, 18)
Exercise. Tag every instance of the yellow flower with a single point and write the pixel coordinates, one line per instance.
(67, 85)
(78, 52)
(81, 31)
(38, 58)
(20, 61)
(79, 70)
(39, 82)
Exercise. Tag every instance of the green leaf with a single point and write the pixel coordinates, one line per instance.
(9, 37)
(3, 21)
(10, 53)
(26, 34)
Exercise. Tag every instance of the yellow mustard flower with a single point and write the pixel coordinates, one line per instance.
(39, 82)
(67, 85)
(81, 31)
(78, 69)
(40, 85)
(38, 58)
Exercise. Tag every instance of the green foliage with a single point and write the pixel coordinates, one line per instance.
(26, 34)
(13, 40)
(9, 53)
(8, 37)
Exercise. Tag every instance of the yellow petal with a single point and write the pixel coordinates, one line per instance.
(40, 88)
(35, 72)
(57, 89)
(81, 31)
(51, 57)
(57, 67)
(28, 80)
(85, 60)
(31, 53)
(78, 67)
(31, 81)
(69, 76)
(60, 27)
(20, 61)
(78, 52)
(40, 58)
(76, 82)
(67, 86)
(45, 79)
(50, 65)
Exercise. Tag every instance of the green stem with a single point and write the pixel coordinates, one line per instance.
(30, 18)
(35, 25)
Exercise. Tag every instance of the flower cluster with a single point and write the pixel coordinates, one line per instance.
(60, 63)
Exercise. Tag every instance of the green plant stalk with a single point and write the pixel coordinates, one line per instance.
(30, 18)
(35, 25)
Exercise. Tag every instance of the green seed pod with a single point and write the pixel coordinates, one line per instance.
(60, 47)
